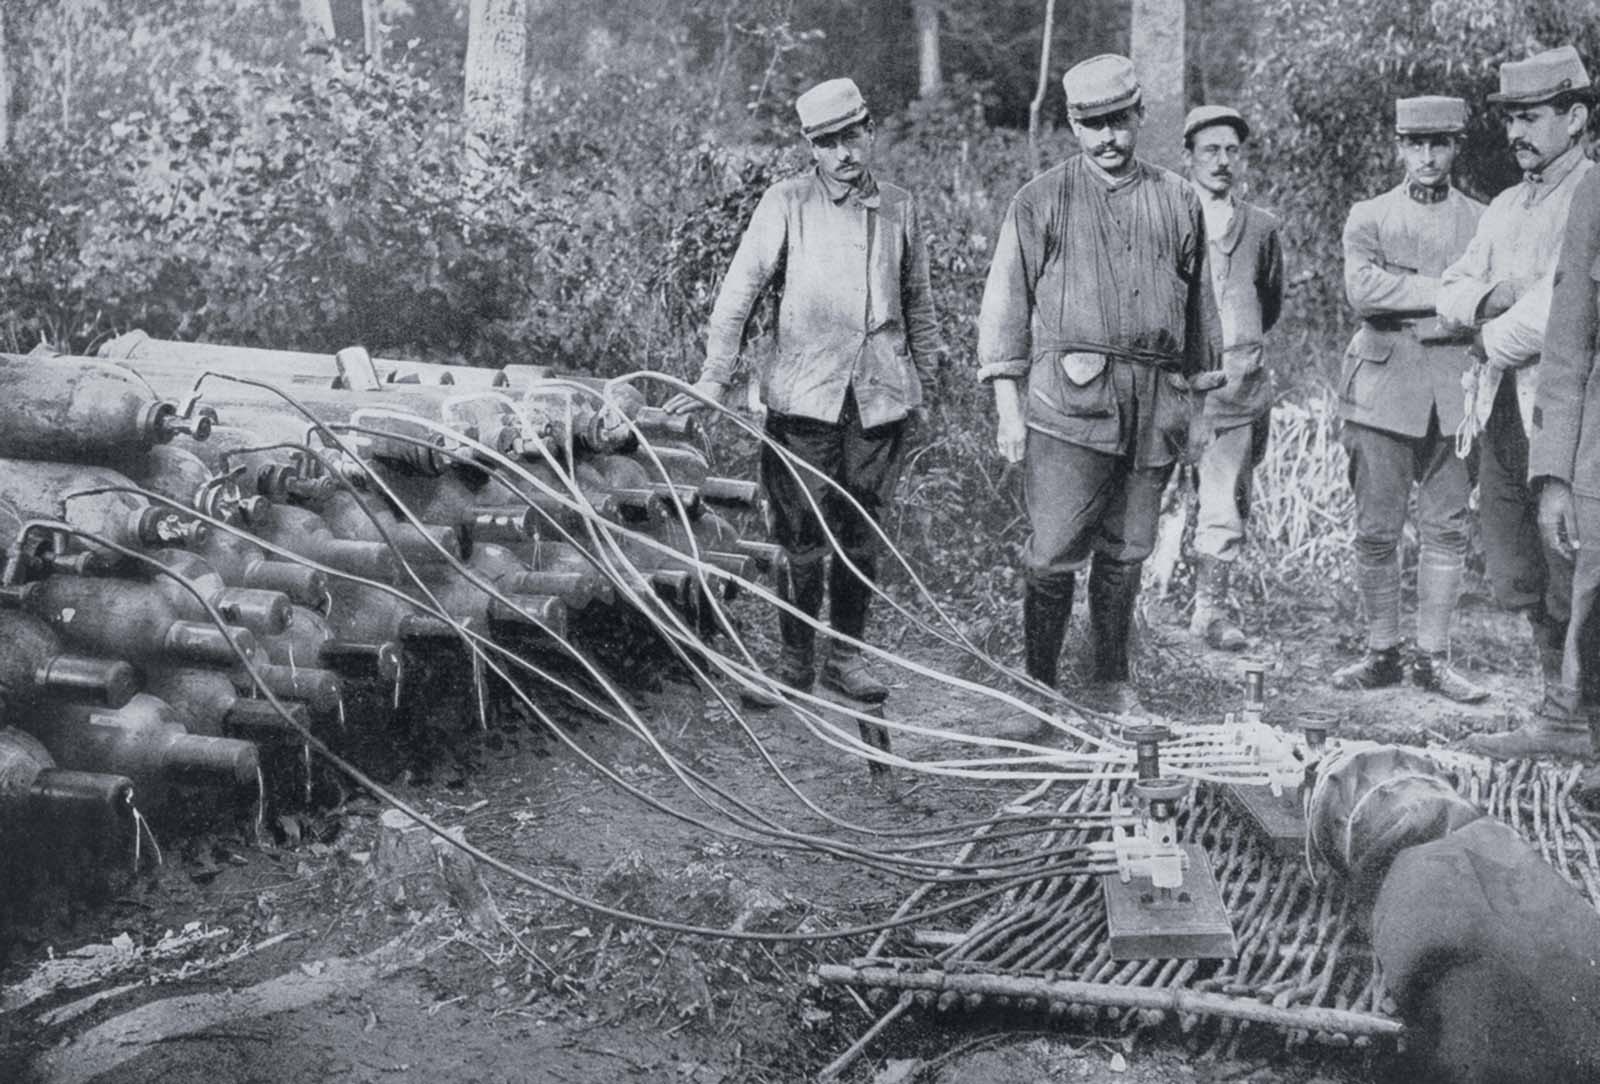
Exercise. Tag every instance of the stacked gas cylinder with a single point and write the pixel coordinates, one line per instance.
(332, 545)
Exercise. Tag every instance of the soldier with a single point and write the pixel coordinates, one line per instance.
(1501, 286)
(856, 342)
(1246, 264)
(1564, 453)
(1400, 400)
(1097, 299)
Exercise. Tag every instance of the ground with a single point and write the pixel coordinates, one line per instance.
(546, 992)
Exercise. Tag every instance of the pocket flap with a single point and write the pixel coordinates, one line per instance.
(1080, 368)
(1372, 346)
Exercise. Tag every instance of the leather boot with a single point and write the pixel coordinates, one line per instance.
(1379, 668)
(1045, 611)
(846, 670)
(1550, 639)
(1434, 673)
(1113, 591)
(1557, 729)
(1210, 623)
(801, 587)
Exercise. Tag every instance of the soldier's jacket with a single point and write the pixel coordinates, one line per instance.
(1401, 365)
(1246, 267)
(1098, 296)
(1565, 443)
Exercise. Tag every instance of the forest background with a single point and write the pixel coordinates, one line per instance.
(240, 172)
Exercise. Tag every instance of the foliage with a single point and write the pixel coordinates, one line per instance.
(1322, 95)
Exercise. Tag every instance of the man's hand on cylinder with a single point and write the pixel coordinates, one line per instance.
(687, 403)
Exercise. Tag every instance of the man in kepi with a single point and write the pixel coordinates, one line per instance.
(856, 343)
(1095, 316)
(1246, 267)
(1501, 287)
(1564, 452)
(1400, 400)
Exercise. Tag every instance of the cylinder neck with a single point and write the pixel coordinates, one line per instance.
(109, 683)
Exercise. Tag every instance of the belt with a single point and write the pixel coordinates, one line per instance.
(1425, 329)
(1138, 355)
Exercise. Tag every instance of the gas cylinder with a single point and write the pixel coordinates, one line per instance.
(207, 703)
(145, 741)
(242, 563)
(78, 410)
(33, 665)
(308, 534)
(179, 475)
(41, 491)
(257, 610)
(129, 619)
(309, 641)
(44, 801)
(567, 575)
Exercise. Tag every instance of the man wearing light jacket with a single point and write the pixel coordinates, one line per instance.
(857, 341)
(1501, 286)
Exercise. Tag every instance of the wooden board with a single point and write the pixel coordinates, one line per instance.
(1187, 923)
(1278, 820)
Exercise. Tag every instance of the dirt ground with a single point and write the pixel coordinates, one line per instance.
(549, 993)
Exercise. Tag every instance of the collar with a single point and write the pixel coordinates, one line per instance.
(1111, 183)
(864, 191)
(1540, 183)
(1422, 193)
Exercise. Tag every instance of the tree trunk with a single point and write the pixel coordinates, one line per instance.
(317, 15)
(497, 49)
(5, 86)
(1157, 40)
(372, 31)
(1036, 106)
(930, 72)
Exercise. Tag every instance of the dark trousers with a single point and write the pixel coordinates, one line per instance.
(1524, 574)
(866, 464)
(1083, 502)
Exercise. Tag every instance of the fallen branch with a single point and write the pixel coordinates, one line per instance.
(123, 1038)
(1126, 997)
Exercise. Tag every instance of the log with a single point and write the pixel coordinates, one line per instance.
(1126, 997)
(123, 1038)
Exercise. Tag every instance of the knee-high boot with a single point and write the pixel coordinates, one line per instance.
(1045, 610)
(1113, 591)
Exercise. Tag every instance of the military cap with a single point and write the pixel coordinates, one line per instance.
(830, 107)
(1204, 116)
(1541, 77)
(1100, 85)
(1432, 114)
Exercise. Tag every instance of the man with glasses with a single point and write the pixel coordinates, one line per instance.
(1246, 265)
(1501, 287)
(1095, 317)
(1400, 400)
(857, 341)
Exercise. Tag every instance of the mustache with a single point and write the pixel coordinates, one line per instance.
(1523, 145)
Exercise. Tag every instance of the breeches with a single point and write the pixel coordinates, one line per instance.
(1227, 466)
(1383, 467)
(1082, 502)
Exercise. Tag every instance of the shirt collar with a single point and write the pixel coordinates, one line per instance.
(1426, 193)
(1541, 183)
(864, 192)
(1111, 183)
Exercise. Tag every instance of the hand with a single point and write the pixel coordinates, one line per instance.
(1011, 436)
(1501, 298)
(684, 403)
(1558, 519)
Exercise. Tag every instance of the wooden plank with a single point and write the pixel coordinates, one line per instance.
(1187, 923)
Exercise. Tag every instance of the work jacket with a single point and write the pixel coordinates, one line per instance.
(855, 308)
(1402, 365)
(1565, 442)
(1246, 268)
(1091, 276)
(1517, 241)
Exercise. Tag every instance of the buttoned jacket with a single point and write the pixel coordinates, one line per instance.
(1565, 441)
(855, 308)
(1097, 295)
(1517, 242)
(1402, 366)
(1246, 268)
